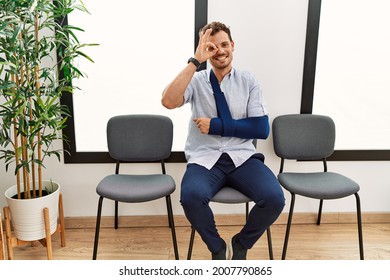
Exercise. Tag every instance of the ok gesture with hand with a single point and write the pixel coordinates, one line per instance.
(205, 49)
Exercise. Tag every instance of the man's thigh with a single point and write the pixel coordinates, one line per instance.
(199, 181)
(254, 179)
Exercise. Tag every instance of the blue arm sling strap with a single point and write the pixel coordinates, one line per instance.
(225, 125)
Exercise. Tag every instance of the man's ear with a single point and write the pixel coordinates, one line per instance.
(232, 42)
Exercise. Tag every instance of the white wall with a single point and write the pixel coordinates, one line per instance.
(269, 40)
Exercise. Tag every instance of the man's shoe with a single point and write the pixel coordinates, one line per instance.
(239, 252)
(222, 254)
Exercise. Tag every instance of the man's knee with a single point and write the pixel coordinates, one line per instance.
(279, 202)
(193, 199)
(274, 201)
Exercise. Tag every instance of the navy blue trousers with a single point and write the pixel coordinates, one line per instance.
(253, 178)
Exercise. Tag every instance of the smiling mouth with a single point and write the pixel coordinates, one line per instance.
(220, 58)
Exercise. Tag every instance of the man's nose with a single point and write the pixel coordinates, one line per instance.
(220, 51)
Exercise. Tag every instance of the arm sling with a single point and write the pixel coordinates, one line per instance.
(225, 125)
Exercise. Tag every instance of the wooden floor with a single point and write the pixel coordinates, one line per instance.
(307, 242)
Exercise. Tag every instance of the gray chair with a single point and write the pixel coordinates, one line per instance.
(229, 195)
(138, 138)
(306, 137)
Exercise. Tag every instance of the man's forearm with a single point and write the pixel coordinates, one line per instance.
(173, 95)
(247, 128)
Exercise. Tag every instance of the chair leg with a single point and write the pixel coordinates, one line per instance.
(270, 250)
(246, 211)
(360, 228)
(191, 245)
(98, 217)
(192, 238)
(169, 220)
(320, 212)
(290, 215)
(172, 225)
(116, 214)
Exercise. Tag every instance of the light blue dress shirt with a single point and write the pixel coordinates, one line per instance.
(244, 97)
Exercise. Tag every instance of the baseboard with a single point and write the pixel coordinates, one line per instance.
(224, 220)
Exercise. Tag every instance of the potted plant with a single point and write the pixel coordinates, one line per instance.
(34, 44)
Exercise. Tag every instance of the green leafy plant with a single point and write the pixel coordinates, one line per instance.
(34, 45)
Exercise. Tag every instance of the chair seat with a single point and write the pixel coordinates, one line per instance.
(229, 195)
(320, 185)
(136, 188)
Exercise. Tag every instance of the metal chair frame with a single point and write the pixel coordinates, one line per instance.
(121, 131)
(311, 137)
(290, 216)
(246, 201)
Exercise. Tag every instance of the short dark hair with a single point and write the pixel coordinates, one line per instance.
(216, 27)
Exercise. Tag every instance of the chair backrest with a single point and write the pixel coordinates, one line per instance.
(140, 137)
(303, 136)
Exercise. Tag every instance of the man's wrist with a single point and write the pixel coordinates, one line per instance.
(194, 61)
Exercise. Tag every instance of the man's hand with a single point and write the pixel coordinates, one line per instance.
(203, 124)
(205, 49)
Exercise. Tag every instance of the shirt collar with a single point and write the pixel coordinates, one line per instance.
(229, 75)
